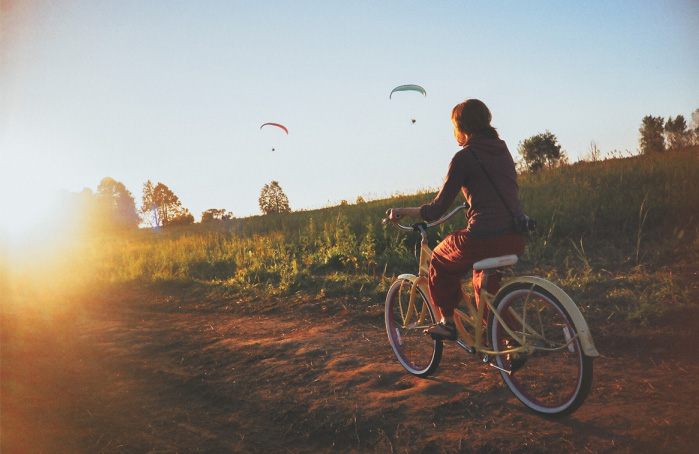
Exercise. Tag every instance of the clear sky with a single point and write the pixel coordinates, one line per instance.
(176, 91)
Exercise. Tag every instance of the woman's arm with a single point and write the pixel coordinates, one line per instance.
(456, 177)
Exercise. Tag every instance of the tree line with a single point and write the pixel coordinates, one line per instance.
(113, 207)
(656, 136)
(659, 135)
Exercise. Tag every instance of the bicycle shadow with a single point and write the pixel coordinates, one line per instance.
(596, 430)
(500, 400)
(584, 430)
(439, 386)
(446, 386)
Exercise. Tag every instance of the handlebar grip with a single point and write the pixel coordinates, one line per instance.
(393, 218)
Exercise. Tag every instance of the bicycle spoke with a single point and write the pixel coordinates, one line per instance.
(550, 374)
(418, 354)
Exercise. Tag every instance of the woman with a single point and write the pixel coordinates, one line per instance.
(490, 230)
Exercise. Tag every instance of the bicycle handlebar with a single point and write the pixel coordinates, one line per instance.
(426, 225)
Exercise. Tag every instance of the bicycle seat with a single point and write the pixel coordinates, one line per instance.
(495, 262)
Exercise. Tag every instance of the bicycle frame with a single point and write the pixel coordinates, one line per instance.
(473, 316)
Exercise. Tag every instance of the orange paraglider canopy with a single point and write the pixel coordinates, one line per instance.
(277, 125)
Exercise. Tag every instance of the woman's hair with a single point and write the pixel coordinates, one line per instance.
(473, 117)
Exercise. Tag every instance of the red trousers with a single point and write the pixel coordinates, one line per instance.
(455, 256)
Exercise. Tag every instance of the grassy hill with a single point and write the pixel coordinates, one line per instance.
(620, 235)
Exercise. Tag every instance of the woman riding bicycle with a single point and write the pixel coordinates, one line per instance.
(490, 231)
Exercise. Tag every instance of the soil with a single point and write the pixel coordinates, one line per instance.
(150, 372)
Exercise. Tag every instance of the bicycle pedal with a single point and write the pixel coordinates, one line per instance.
(436, 336)
(439, 337)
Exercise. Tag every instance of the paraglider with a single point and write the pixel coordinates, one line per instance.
(278, 126)
(409, 87)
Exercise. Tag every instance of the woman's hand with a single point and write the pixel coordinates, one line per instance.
(394, 214)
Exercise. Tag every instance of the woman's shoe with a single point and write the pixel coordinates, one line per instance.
(443, 331)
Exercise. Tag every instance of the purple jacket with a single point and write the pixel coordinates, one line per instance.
(487, 215)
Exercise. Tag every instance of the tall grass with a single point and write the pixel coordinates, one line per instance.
(337, 249)
(616, 204)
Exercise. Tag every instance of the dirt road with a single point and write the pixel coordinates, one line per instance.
(153, 373)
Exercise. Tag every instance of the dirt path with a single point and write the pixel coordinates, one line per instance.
(154, 374)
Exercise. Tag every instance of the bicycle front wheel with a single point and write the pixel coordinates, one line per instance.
(551, 375)
(418, 353)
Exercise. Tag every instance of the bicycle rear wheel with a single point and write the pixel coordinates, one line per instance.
(418, 353)
(554, 376)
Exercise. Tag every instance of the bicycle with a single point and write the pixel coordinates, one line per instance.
(536, 336)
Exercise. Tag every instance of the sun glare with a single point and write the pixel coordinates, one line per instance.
(39, 258)
(28, 217)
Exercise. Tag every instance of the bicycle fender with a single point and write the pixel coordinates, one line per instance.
(588, 344)
(411, 278)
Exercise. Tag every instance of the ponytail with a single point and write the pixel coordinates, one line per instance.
(473, 117)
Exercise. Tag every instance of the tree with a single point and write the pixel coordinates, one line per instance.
(542, 150)
(212, 214)
(110, 209)
(182, 218)
(162, 207)
(79, 213)
(147, 211)
(273, 200)
(694, 129)
(651, 130)
(676, 133)
(116, 207)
